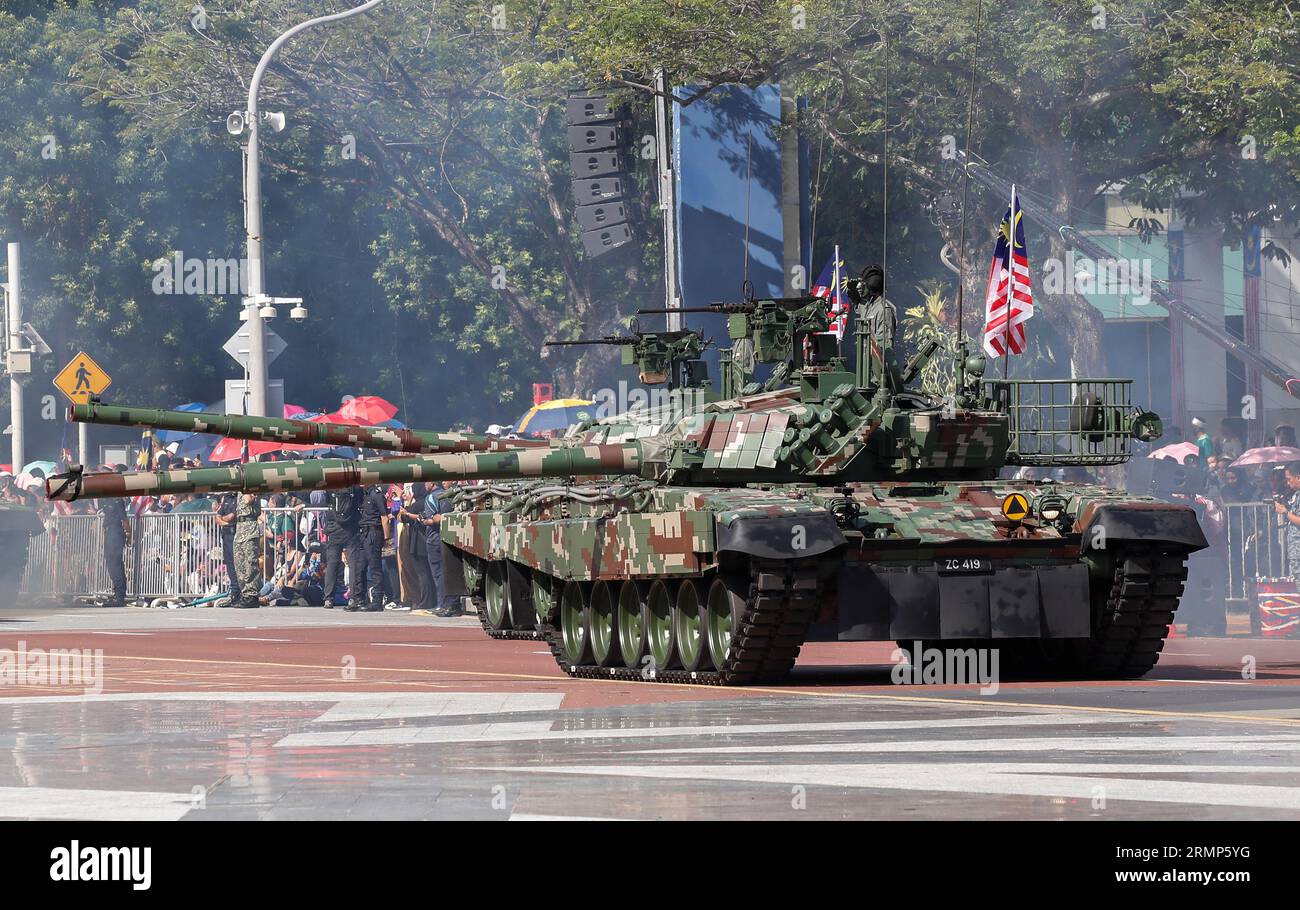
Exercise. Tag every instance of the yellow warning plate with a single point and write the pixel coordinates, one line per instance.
(1015, 506)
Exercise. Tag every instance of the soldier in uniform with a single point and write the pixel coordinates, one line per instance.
(117, 534)
(342, 525)
(881, 321)
(248, 538)
(435, 506)
(374, 530)
(1287, 506)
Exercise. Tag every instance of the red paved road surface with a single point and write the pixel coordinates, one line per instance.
(415, 658)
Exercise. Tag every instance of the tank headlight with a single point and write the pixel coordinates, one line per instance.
(1050, 510)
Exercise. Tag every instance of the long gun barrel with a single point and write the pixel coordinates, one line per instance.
(747, 306)
(608, 339)
(337, 473)
(297, 432)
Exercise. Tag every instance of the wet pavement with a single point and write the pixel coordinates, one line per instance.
(300, 713)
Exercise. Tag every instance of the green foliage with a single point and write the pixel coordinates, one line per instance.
(437, 260)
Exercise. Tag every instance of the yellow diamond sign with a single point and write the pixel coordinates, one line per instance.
(1015, 506)
(82, 378)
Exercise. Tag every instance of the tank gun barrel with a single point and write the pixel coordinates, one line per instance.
(608, 339)
(296, 432)
(338, 473)
(746, 306)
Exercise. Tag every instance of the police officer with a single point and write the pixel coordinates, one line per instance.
(226, 522)
(248, 539)
(117, 534)
(342, 525)
(435, 506)
(374, 530)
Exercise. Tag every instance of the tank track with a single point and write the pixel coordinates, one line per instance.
(480, 608)
(782, 601)
(1137, 614)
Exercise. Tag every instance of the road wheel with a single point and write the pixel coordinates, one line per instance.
(688, 627)
(519, 596)
(722, 615)
(494, 593)
(602, 626)
(631, 625)
(544, 587)
(661, 641)
(573, 624)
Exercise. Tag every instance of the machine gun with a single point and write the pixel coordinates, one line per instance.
(660, 357)
(766, 330)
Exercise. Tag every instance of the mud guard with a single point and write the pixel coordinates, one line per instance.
(780, 536)
(896, 603)
(1150, 523)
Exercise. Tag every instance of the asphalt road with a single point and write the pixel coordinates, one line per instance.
(302, 713)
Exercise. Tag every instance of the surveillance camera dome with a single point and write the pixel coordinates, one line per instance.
(298, 313)
(267, 312)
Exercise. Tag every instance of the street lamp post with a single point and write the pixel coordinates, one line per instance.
(257, 378)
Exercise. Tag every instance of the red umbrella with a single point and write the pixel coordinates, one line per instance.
(1267, 455)
(1178, 451)
(233, 449)
(364, 410)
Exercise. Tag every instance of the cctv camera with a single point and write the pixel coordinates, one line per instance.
(267, 312)
(235, 123)
(298, 313)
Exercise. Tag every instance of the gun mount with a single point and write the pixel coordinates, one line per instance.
(660, 357)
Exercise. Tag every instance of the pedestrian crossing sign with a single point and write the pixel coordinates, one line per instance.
(82, 378)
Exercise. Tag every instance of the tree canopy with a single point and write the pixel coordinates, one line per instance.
(419, 198)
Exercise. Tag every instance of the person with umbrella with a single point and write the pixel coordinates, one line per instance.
(1288, 507)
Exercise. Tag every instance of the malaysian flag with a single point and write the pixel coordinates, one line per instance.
(1009, 300)
(833, 284)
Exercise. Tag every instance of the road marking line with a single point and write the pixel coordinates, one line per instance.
(249, 638)
(401, 644)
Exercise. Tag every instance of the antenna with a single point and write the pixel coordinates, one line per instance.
(884, 215)
(749, 177)
(965, 186)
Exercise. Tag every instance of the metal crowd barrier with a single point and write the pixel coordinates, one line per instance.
(1256, 547)
(173, 555)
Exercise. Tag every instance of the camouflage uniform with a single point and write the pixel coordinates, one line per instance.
(248, 537)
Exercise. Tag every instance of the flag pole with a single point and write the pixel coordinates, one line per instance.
(835, 303)
(1011, 284)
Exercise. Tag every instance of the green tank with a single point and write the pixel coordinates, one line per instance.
(841, 506)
